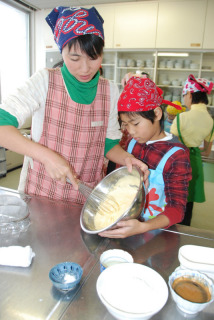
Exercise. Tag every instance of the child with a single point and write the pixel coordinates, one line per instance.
(171, 113)
(194, 128)
(140, 111)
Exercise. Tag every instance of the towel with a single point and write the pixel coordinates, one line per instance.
(16, 256)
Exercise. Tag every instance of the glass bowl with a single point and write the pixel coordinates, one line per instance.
(14, 214)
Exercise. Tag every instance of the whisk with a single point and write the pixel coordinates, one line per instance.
(105, 204)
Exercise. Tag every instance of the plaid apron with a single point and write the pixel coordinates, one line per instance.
(75, 131)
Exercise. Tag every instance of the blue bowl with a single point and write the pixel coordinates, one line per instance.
(66, 275)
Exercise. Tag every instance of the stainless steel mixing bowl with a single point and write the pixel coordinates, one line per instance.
(105, 186)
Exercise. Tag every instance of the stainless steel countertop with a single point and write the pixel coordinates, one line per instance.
(55, 236)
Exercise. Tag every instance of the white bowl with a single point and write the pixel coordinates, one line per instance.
(184, 305)
(194, 66)
(132, 291)
(176, 83)
(166, 82)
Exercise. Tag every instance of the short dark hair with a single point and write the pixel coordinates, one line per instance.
(91, 44)
(150, 115)
(199, 97)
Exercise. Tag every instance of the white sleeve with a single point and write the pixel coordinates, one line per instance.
(29, 101)
(113, 131)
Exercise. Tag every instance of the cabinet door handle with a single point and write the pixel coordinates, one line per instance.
(195, 45)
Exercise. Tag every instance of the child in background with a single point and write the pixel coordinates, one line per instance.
(140, 112)
(193, 128)
(171, 113)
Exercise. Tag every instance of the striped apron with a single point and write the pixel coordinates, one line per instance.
(75, 131)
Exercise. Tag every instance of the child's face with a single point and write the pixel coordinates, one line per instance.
(79, 64)
(142, 129)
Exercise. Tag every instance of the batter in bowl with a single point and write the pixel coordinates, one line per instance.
(124, 193)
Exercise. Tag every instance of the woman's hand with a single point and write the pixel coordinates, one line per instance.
(58, 168)
(125, 229)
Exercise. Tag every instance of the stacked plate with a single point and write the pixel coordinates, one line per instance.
(197, 258)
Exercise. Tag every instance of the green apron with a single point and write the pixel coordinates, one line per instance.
(196, 185)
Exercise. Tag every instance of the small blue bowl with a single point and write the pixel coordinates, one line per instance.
(66, 275)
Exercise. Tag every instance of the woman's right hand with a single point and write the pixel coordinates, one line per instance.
(58, 168)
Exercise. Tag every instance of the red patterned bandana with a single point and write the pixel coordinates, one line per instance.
(141, 94)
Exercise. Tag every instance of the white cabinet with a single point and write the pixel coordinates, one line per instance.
(48, 34)
(135, 25)
(209, 26)
(107, 13)
(181, 24)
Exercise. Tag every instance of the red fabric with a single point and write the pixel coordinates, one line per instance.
(141, 94)
(75, 131)
(176, 174)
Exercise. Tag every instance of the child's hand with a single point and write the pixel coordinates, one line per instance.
(125, 229)
(130, 161)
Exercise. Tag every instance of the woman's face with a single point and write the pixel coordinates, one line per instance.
(79, 64)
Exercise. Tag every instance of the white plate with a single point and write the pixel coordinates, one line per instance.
(132, 288)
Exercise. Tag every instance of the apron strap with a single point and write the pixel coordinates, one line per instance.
(167, 155)
(131, 145)
(178, 127)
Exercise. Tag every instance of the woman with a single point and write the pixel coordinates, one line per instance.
(74, 114)
(194, 128)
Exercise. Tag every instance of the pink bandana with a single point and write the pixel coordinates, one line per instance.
(141, 94)
(194, 85)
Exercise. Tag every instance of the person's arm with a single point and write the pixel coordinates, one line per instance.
(176, 174)
(205, 151)
(133, 226)
(56, 166)
(27, 101)
(118, 155)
